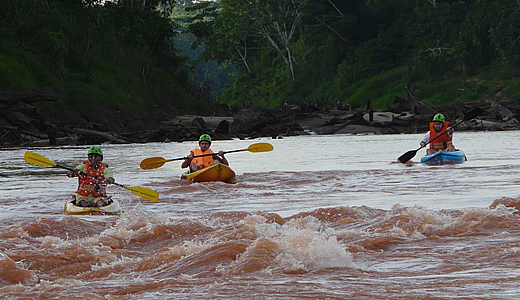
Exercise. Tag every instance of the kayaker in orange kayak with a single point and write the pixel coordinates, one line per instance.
(443, 142)
(197, 163)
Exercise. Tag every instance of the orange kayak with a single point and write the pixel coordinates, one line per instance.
(217, 172)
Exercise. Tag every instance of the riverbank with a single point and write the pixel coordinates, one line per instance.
(23, 124)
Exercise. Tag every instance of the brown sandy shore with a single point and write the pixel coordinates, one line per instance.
(22, 124)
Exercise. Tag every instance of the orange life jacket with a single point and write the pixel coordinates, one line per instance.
(204, 161)
(88, 185)
(443, 141)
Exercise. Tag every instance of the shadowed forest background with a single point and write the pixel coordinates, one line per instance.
(152, 59)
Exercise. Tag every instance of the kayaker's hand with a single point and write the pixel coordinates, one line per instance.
(109, 180)
(423, 144)
(190, 156)
(73, 173)
(221, 153)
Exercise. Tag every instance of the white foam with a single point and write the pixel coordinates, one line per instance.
(303, 244)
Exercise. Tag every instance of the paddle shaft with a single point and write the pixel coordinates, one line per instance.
(225, 152)
(209, 154)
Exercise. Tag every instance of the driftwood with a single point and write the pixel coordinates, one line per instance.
(28, 97)
(72, 140)
(103, 135)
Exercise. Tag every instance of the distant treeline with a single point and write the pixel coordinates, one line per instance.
(120, 55)
(316, 51)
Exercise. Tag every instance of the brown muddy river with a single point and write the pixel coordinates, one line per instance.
(319, 217)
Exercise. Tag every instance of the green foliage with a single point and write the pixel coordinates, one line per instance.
(358, 50)
(448, 90)
(15, 76)
(101, 58)
(21, 71)
(502, 81)
(112, 88)
(513, 91)
(380, 89)
(121, 55)
(168, 91)
(499, 71)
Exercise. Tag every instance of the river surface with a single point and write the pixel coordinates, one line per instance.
(319, 217)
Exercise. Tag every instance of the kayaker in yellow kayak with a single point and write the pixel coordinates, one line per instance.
(197, 163)
(92, 191)
(443, 142)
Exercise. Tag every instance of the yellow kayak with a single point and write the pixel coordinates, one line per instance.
(217, 172)
(72, 209)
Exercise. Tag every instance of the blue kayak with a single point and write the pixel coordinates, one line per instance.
(445, 157)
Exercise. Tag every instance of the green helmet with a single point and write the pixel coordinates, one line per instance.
(438, 118)
(205, 137)
(95, 150)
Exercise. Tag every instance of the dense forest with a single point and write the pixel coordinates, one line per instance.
(153, 58)
(102, 58)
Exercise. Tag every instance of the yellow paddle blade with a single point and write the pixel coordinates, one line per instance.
(260, 147)
(144, 193)
(152, 163)
(38, 159)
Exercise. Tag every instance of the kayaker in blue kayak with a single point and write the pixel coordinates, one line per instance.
(92, 191)
(196, 163)
(443, 142)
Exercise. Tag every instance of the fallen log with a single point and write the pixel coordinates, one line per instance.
(66, 140)
(88, 132)
(28, 97)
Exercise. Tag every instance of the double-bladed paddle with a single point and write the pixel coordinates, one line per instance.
(157, 162)
(468, 116)
(40, 160)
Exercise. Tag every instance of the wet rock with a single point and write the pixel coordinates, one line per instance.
(360, 129)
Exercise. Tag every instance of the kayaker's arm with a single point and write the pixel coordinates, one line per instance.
(425, 139)
(223, 158)
(186, 163)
